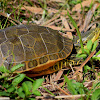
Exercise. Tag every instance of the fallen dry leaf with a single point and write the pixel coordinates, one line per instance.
(83, 4)
(66, 25)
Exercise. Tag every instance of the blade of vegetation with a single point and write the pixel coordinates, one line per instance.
(89, 45)
(36, 92)
(78, 32)
(37, 84)
(70, 86)
(3, 69)
(86, 68)
(26, 89)
(32, 99)
(97, 84)
(3, 93)
(87, 51)
(29, 1)
(98, 53)
(94, 45)
(44, 6)
(79, 87)
(81, 55)
(21, 93)
(96, 95)
(14, 68)
(48, 91)
(11, 89)
(18, 79)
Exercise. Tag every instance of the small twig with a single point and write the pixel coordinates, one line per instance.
(71, 68)
(72, 97)
(82, 65)
(69, 97)
(4, 98)
(56, 28)
(61, 90)
(49, 21)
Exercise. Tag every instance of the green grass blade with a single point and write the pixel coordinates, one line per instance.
(78, 32)
(96, 95)
(14, 68)
(70, 86)
(18, 79)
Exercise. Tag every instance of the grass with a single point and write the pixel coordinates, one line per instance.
(10, 84)
(76, 88)
(21, 86)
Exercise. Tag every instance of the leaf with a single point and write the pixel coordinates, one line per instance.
(99, 73)
(70, 86)
(3, 93)
(6, 85)
(98, 53)
(18, 79)
(78, 87)
(37, 93)
(29, 84)
(14, 68)
(27, 87)
(21, 94)
(87, 51)
(94, 45)
(96, 95)
(11, 89)
(86, 68)
(37, 84)
(81, 55)
(96, 58)
(4, 69)
(89, 45)
(32, 99)
(20, 89)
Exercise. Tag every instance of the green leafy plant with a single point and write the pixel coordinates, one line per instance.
(96, 95)
(17, 86)
(90, 47)
(76, 88)
(79, 87)
(96, 57)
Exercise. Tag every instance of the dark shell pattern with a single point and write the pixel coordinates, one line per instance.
(32, 45)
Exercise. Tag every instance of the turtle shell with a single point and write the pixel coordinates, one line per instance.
(37, 47)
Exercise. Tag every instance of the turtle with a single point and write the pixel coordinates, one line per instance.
(37, 47)
(42, 50)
